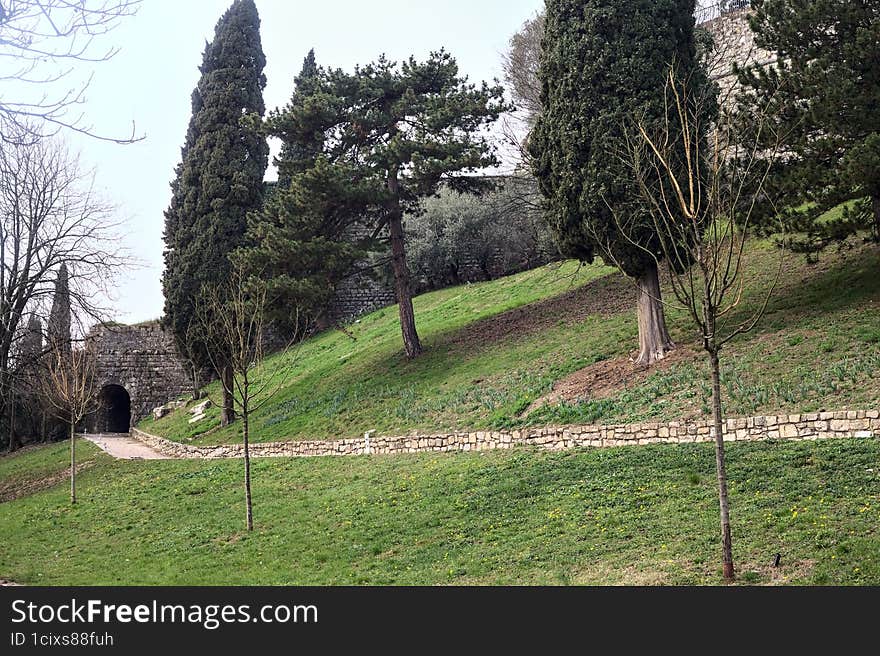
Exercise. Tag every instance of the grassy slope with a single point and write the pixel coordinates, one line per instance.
(36, 467)
(818, 347)
(638, 515)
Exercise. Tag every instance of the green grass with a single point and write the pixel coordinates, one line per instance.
(27, 469)
(494, 348)
(635, 515)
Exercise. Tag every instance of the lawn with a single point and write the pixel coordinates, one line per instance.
(34, 468)
(492, 349)
(631, 515)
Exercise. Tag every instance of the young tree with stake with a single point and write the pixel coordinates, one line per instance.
(232, 321)
(700, 186)
(69, 386)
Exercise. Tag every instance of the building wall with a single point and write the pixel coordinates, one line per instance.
(143, 360)
(734, 44)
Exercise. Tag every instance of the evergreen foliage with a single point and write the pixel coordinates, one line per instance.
(388, 135)
(604, 63)
(58, 328)
(822, 94)
(220, 176)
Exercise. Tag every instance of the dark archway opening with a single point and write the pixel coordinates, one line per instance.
(114, 410)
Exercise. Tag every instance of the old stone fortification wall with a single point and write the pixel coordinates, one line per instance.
(143, 360)
(810, 426)
(734, 44)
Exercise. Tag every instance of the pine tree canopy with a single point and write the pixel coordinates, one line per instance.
(417, 118)
(604, 65)
(822, 94)
(220, 176)
(360, 149)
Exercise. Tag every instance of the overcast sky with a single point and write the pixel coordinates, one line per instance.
(152, 77)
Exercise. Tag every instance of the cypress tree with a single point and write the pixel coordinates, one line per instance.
(220, 176)
(603, 64)
(58, 328)
(822, 97)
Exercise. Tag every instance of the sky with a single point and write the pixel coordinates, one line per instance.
(150, 81)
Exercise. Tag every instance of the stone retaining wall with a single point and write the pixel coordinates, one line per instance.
(809, 426)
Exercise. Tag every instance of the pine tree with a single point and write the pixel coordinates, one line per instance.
(822, 94)
(220, 176)
(394, 132)
(298, 244)
(604, 63)
(298, 151)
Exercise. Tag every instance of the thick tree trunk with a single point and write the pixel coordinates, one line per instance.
(654, 341)
(249, 512)
(227, 412)
(411, 343)
(721, 469)
(72, 461)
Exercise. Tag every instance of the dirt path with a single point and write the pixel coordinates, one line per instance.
(123, 447)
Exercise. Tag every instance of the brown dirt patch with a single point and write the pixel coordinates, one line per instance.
(608, 377)
(604, 297)
(16, 489)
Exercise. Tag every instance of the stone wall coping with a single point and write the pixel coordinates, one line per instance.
(800, 426)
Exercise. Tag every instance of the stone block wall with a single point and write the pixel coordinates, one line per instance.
(735, 44)
(143, 360)
(809, 426)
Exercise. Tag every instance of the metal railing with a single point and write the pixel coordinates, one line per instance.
(712, 11)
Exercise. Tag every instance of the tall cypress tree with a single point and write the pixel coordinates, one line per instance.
(220, 176)
(603, 64)
(58, 328)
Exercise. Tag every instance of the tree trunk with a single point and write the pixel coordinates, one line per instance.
(196, 383)
(721, 469)
(654, 341)
(72, 461)
(411, 343)
(13, 442)
(227, 412)
(875, 205)
(249, 513)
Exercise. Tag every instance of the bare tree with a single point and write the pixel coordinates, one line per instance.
(701, 184)
(51, 219)
(41, 41)
(69, 386)
(232, 321)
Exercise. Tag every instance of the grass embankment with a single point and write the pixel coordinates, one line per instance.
(634, 515)
(38, 467)
(493, 349)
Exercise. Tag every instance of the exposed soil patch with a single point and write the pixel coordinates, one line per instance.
(607, 377)
(16, 489)
(604, 297)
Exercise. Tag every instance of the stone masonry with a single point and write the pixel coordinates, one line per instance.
(735, 44)
(143, 360)
(808, 426)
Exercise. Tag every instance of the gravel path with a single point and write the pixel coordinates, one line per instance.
(123, 447)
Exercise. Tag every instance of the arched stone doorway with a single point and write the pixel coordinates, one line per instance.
(114, 410)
